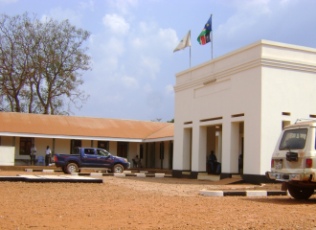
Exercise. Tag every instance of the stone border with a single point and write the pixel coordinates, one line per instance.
(248, 193)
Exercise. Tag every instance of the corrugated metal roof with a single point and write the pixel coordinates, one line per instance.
(59, 125)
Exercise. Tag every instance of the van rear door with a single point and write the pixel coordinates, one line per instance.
(288, 158)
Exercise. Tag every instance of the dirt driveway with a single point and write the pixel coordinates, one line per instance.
(146, 203)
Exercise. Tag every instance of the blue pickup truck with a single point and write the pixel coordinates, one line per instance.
(87, 157)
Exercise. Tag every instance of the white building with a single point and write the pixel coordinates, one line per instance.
(152, 141)
(239, 103)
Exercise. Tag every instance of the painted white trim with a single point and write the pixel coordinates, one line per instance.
(158, 139)
(85, 137)
(69, 137)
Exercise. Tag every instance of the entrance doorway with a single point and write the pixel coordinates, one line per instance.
(214, 145)
(122, 149)
(237, 147)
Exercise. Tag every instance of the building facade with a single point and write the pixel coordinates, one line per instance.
(151, 141)
(236, 105)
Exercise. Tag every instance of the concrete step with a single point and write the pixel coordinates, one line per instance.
(206, 176)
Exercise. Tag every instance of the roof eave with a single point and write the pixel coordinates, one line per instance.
(71, 137)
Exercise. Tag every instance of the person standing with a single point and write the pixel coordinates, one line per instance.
(47, 155)
(33, 154)
(136, 161)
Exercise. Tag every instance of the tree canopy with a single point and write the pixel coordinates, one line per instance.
(41, 63)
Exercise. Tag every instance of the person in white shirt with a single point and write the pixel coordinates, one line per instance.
(47, 155)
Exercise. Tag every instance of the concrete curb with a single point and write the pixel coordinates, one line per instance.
(247, 193)
(51, 178)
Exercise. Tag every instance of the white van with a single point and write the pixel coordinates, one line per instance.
(293, 160)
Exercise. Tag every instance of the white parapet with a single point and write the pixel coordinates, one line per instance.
(28, 170)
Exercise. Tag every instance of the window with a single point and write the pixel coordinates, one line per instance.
(89, 151)
(103, 145)
(162, 151)
(141, 152)
(26, 145)
(293, 139)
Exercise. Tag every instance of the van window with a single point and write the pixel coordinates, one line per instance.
(293, 139)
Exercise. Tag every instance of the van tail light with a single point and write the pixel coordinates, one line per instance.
(272, 163)
(309, 163)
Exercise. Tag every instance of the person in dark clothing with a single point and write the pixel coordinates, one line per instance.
(137, 162)
(212, 162)
(241, 162)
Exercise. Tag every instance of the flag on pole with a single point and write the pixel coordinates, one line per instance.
(185, 42)
(204, 36)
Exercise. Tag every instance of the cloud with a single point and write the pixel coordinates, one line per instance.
(8, 1)
(129, 82)
(128, 61)
(114, 47)
(113, 98)
(116, 24)
(62, 14)
(247, 15)
(87, 5)
(147, 88)
(150, 66)
(150, 38)
(168, 37)
(123, 6)
(169, 90)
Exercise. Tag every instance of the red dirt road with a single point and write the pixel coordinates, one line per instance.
(146, 203)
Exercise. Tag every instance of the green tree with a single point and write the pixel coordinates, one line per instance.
(41, 64)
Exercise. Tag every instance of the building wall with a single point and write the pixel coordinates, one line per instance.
(61, 146)
(64, 145)
(7, 141)
(213, 96)
(248, 93)
(133, 150)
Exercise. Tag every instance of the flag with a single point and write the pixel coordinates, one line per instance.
(185, 42)
(204, 36)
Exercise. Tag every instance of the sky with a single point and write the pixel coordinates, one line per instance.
(133, 66)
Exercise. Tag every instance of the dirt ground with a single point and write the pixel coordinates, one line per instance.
(146, 203)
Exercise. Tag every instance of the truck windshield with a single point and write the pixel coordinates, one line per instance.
(293, 139)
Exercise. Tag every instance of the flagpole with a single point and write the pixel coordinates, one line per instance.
(190, 49)
(190, 56)
(212, 37)
(212, 45)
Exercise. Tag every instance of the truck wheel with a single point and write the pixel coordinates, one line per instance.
(300, 193)
(118, 168)
(64, 169)
(72, 168)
